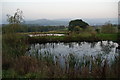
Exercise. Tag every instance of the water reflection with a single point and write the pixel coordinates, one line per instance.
(107, 47)
(33, 35)
(93, 44)
(75, 54)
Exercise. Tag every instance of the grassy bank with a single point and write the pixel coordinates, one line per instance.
(112, 37)
(88, 37)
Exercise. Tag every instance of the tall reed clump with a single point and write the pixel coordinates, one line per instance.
(13, 46)
(74, 66)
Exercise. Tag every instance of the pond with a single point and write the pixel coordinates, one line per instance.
(32, 35)
(81, 53)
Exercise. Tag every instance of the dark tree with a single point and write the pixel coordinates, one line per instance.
(78, 22)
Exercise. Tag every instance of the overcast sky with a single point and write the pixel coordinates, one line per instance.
(61, 9)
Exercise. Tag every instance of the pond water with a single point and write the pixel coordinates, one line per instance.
(80, 52)
(32, 35)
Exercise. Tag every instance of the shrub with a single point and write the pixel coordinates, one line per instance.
(108, 28)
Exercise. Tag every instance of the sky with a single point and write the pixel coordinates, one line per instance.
(60, 9)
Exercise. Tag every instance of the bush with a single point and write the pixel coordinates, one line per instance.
(108, 28)
(14, 44)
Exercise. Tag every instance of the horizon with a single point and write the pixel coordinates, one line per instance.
(65, 22)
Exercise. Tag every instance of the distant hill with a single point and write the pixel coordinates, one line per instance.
(46, 22)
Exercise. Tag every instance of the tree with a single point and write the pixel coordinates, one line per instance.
(15, 22)
(14, 45)
(78, 22)
(17, 18)
(77, 28)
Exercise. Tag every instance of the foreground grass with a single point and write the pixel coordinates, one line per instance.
(44, 67)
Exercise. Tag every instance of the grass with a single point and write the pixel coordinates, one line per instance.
(31, 67)
(88, 37)
(112, 37)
